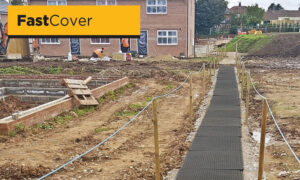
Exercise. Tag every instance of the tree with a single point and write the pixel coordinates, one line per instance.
(252, 17)
(208, 14)
(275, 7)
(16, 2)
(255, 15)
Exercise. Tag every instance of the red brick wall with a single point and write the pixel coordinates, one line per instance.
(59, 108)
(175, 19)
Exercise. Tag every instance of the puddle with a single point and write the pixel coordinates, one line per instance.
(256, 137)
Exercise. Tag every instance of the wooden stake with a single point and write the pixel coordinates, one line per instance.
(242, 81)
(238, 70)
(236, 50)
(247, 99)
(210, 69)
(262, 140)
(156, 145)
(191, 98)
(204, 79)
(214, 66)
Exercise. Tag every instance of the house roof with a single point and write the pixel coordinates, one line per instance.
(273, 15)
(3, 6)
(238, 10)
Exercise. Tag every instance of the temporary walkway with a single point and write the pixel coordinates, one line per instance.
(216, 152)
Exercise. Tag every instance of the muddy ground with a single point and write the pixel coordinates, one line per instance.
(279, 80)
(12, 104)
(130, 154)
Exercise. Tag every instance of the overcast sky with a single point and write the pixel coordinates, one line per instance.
(286, 4)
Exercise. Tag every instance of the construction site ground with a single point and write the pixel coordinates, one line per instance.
(12, 104)
(279, 80)
(130, 154)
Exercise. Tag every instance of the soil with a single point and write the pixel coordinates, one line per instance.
(283, 45)
(12, 104)
(128, 155)
(145, 69)
(279, 80)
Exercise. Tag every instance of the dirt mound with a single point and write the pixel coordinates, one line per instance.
(10, 105)
(13, 171)
(283, 45)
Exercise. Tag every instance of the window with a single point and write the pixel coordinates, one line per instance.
(167, 37)
(56, 2)
(50, 41)
(100, 41)
(106, 2)
(156, 6)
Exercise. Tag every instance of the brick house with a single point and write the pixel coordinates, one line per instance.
(280, 17)
(3, 11)
(167, 27)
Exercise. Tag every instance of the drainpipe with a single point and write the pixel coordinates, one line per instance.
(187, 24)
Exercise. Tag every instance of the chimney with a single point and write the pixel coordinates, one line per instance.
(240, 4)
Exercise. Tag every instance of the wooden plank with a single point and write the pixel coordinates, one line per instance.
(88, 102)
(73, 81)
(80, 91)
(73, 86)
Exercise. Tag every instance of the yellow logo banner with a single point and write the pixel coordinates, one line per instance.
(71, 21)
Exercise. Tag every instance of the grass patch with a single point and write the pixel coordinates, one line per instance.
(131, 110)
(62, 119)
(148, 98)
(115, 95)
(54, 70)
(249, 43)
(83, 111)
(19, 127)
(18, 70)
(101, 129)
(12, 133)
(169, 87)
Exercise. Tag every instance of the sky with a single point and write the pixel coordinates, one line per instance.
(286, 4)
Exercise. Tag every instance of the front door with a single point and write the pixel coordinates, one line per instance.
(143, 43)
(75, 46)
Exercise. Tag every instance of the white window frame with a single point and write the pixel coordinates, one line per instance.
(167, 36)
(156, 5)
(100, 42)
(56, 2)
(41, 41)
(105, 3)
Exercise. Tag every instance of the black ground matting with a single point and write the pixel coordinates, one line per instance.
(214, 160)
(216, 151)
(217, 143)
(218, 131)
(234, 113)
(218, 122)
(205, 174)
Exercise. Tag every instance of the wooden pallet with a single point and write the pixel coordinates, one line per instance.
(80, 91)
